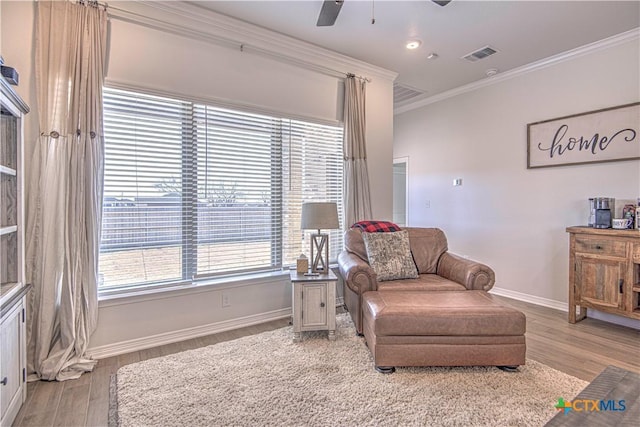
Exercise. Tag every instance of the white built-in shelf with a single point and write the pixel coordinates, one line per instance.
(7, 290)
(7, 170)
(8, 229)
(13, 351)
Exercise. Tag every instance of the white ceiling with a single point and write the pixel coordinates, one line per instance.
(522, 31)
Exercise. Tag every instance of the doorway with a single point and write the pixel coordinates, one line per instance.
(400, 188)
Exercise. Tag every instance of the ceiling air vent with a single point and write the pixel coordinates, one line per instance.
(402, 93)
(480, 54)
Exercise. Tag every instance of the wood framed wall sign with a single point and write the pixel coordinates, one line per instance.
(606, 135)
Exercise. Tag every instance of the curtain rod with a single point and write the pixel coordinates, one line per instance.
(128, 16)
(366, 79)
(300, 63)
(93, 3)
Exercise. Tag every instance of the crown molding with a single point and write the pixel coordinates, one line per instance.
(193, 21)
(618, 39)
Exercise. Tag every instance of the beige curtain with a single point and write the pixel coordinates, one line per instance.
(65, 189)
(357, 197)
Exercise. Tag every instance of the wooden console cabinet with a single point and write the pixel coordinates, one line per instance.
(604, 272)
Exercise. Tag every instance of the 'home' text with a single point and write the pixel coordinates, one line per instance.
(594, 144)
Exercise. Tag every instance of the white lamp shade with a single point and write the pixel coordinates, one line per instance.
(319, 216)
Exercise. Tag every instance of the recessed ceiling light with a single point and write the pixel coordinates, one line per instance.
(492, 72)
(413, 44)
(432, 55)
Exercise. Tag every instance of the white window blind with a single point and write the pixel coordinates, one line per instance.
(194, 191)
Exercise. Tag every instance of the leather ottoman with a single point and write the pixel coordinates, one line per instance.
(442, 329)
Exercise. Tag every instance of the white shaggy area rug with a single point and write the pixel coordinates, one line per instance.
(266, 379)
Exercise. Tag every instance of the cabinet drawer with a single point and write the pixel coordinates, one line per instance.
(601, 246)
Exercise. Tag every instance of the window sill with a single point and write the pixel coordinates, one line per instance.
(113, 298)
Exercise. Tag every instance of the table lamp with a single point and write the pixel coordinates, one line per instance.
(318, 216)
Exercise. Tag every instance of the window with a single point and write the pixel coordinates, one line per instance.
(193, 191)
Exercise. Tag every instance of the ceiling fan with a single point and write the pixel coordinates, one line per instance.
(331, 9)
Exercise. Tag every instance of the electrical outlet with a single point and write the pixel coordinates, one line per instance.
(226, 299)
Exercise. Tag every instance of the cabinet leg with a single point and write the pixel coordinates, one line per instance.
(572, 313)
(297, 337)
(332, 335)
(576, 317)
(582, 314)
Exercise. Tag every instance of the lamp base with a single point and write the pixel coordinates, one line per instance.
(320, 247)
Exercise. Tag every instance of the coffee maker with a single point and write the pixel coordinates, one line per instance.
(601, 211)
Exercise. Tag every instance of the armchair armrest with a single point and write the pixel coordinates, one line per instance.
(357, 274)
(472, 274)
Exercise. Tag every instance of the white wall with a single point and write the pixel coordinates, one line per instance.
(505, 215)
(148, 58)
(188, 64)
(17, 47)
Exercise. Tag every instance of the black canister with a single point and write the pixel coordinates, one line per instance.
(604, 209)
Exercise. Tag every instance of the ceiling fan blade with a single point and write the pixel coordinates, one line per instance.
(441, 2)
(329, 12)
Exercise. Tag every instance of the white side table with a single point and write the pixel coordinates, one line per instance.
(314, 303)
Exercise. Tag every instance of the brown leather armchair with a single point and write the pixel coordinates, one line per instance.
(439, 270)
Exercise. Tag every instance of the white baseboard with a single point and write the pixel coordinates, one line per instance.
(545, 302)
(563, 306)
(109, 350)
(136, 344)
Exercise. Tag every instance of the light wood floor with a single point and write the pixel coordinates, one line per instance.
(581, 350)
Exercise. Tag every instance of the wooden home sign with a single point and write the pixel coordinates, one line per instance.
(596, 136)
